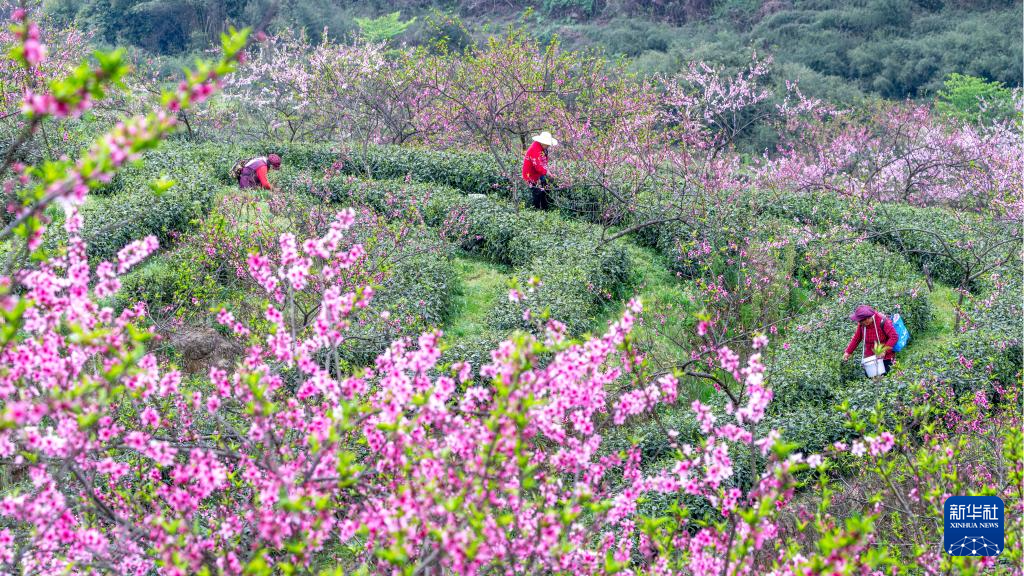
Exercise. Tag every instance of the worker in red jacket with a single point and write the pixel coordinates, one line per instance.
(535, 169)
(254, 173)
(873, 327)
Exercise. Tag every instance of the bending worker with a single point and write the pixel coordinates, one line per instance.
(872, 327)
(254, 173)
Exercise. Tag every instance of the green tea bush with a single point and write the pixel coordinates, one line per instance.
(173, 161)
(578, 274)
(496, 229)
(475, 349)
(1000, 310)
(417, 281)
(667, 237)
(893, 391)
(815, 209)
(113, 222)
(129, 208)
(941, 230)
(295, 156)
(810, 426)
(971, 362)
(417, 293)
(674, 236)
(847, 260)
(917, 232)
(211, 161)
(155, 283)
(423, 282)
(806, 372)
(492, 225)
(180, 283)
(470, 172)
(185, 284)
(575, 286)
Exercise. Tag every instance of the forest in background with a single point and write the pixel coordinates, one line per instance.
(842, 51)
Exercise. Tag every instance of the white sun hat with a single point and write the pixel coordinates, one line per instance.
(546, 139)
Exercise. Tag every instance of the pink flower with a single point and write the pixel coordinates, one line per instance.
(704, 416)
(880, 445)
(225, 317)
(760, 341)
(729, 360)
(765, 444)
(150, 418)
(464, 370)
(6, 545)
(35, 52)
(298, 273)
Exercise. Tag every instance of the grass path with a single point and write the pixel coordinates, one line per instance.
(939, 331)
(481, 284)
(668, 307)
(668, 319)
(667, 302)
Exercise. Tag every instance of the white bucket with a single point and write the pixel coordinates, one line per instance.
(873, 365)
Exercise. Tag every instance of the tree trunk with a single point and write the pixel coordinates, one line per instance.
(959, 307)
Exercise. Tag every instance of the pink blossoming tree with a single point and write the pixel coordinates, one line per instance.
(289, 462)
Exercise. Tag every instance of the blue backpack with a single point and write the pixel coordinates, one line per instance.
(901, 331)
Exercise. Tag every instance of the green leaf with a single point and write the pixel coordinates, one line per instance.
(161, 185)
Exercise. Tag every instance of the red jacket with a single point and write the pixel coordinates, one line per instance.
(535, 164)
(261, 175)
(886, 335)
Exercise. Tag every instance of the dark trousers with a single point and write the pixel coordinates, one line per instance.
(539, 197)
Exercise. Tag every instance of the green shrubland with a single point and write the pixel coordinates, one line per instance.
(712, 229)
(579, 272)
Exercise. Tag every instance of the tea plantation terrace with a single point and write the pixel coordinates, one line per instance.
(583, 281)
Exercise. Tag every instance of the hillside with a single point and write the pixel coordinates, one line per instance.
(841, 50)
(500, 304)
(445, 245)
